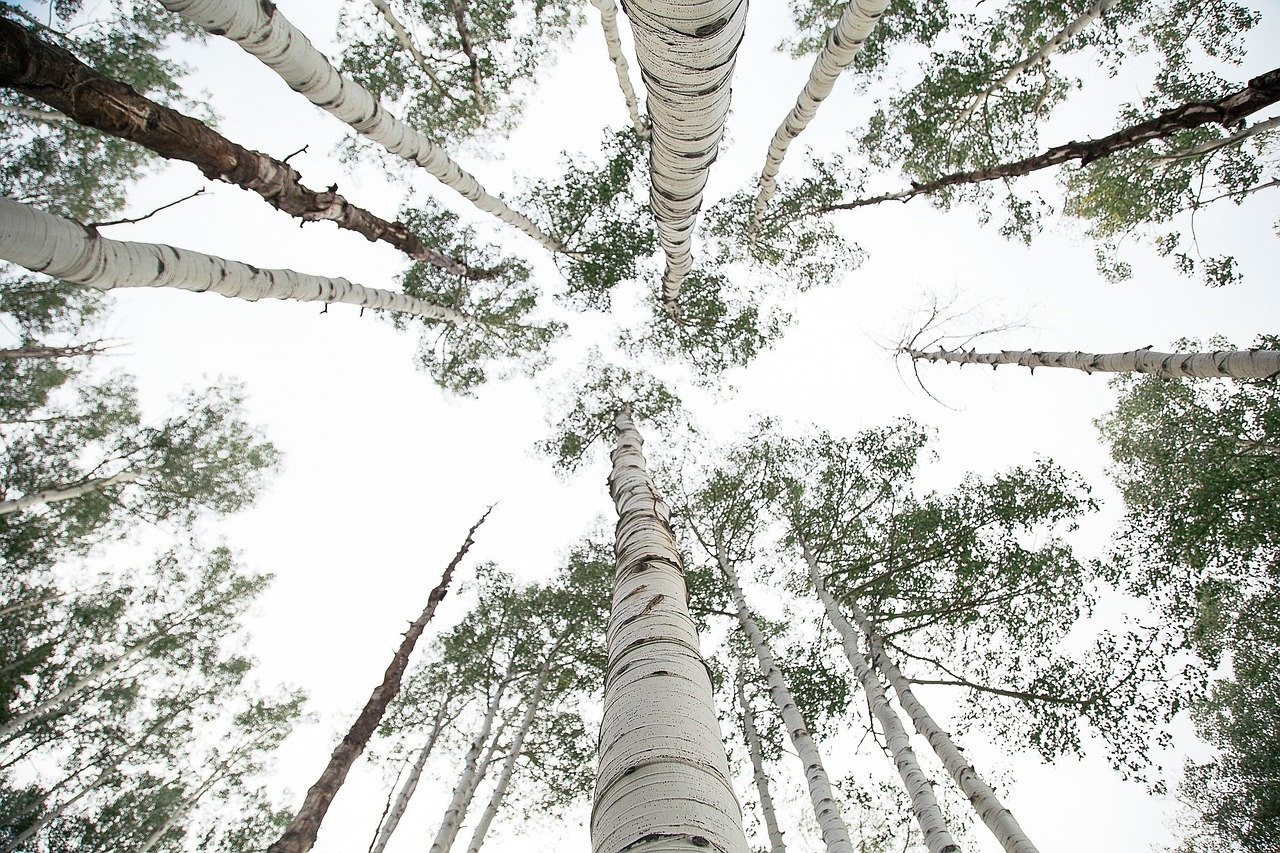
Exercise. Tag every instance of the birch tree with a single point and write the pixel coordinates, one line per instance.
(1235, 364)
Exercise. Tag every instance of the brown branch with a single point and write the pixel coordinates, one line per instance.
(1261, 92)
(136, 219)
(301, 832)
(460, 17)
(52, 75)
(40, 351)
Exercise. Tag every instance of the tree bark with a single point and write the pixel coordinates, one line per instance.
(662, 782)
(54, 76)
(300, 835)
(473, 771)
(264, 32)
(406, 41)
(686, 54)
(924, 804)
(835, 833)
(613, 42)
(67, 493)
(761, 778)
(40, 351)
(58, 247)
(844, 43)
(1261, 92)
(410, 785)
(1236, 364)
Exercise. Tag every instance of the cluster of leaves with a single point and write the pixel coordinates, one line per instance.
(916, 22)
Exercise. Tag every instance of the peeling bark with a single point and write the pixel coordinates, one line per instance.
(300, 835)
(662, 782)
(1236, 364)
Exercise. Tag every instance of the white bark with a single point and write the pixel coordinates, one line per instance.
(409, 787)
(1237, 364)
(924, 804)
(49, 496)
(406, 41)
(46, 116)
(998, 819)
(835, 833)
(686, 52)
(264, 32)
(844, 43)
(613, 41)
(1070, 31)
(1217, 144)
(752, 736)
(470, 776)
(67, 250)
(513, 754)
(662, 783)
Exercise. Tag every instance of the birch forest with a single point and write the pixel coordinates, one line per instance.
(602, 427)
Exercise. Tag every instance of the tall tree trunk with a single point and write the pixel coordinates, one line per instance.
(835, 833)
(613, 42)
(300, 835)
(533, 702)
(998, 819)
(48, 496)
(662, 782)
(473, 771)
(686, 52)
(54, 76)
(1261, 92)
(410, 785)
(844, 43)
(923, 803)
(58, 247)
(264, 32)
(1237, 364)
(761, 778)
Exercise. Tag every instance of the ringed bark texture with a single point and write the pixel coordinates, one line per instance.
(662, 783)
(262, 31)
(686, 53)
(844, 42)
(613, 42)
(54, 76)
(1236, 364)
(300, 834)
(58, 247)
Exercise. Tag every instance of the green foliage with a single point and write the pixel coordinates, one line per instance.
(460, 356)
(916, 22)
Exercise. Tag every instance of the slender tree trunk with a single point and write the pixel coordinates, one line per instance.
(410, 785)
(472, 772)
(48, 496)
(1040, 55)
(264, 32)
(54, 76)
(182, 809)
(28, 605)
(513, 753)
(776, 844)
(300, 835)
(923, 802)
(58, 247)
(844, 43)
(406, 41)
(835, 833)
(1261, 92)
(1237, 364)
(686, 52)
(39, 115)
(468, 50)
(662, 782)
(40, 351)
(613, 42)
(998, 819)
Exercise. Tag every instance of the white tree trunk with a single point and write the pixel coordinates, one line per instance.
(262, 31)
(472, 772)
(752, 736)
(513, 754)
(835, 833)
(686, 51)
(49, 496)
(998, 819)
(407, 789)
(1237, 364)
(406, 41)
(923, 802)
(662, 783)
(844, 42)
(613, 41)
(45, 116)
(67, 250)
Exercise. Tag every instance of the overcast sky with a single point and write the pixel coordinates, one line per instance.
(384, 473)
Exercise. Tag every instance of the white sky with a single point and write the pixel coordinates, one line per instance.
(384, 473)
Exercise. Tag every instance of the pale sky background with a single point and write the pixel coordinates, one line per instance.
(384, 473)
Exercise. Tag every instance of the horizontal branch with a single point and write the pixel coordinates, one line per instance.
(1237, 364)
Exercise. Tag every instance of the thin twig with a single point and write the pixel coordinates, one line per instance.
(93, 226)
